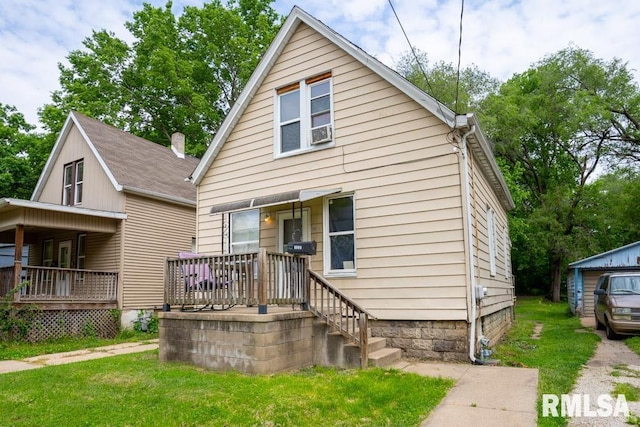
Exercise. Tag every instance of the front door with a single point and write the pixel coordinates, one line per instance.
(290, 229)
(64, 261)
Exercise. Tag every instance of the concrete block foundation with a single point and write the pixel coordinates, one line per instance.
(247, 342)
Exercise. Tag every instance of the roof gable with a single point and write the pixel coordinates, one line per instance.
(131, 163)
(295, 18)
(480, 146)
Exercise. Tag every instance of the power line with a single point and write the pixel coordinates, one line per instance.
(415, 57)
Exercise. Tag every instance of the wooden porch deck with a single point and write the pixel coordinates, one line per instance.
(55, 286)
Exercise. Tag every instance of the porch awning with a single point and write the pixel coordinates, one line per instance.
(274, 199)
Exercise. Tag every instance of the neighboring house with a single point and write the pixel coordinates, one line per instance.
(107, 210)
(403, 197)
(7, 255)
(583, 275)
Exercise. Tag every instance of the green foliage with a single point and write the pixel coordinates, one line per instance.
(440, 80)
(16, 321)
(559, 353)
(555, 126)
(180, 74)
(21, 154)
(631, 392)
(89, 330)
(146, 322)
(136, 389)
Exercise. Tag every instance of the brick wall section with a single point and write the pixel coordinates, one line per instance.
(495, 325)
(250, 343)
(433, 340)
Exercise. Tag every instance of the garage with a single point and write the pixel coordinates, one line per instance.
(583, 275)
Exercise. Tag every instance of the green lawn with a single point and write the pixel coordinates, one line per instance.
(138, 390)
(559, 354)
(21, 350)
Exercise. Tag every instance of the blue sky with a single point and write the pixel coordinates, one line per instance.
(501, 37)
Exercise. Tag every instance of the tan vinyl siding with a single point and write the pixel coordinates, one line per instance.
(392, 154)
(499, 287)
(103, 251)
(154, 230)
(99, 193)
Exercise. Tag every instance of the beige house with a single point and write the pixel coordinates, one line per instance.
(402, 197)
(108, 208)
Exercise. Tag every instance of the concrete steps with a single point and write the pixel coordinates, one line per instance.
(384, 357)
(379, 354)
(331, 348)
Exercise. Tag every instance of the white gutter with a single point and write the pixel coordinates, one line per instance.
(472, 268)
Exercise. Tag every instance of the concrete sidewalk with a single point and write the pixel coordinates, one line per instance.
(75, 356)
(490, 396)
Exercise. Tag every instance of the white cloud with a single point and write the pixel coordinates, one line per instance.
(502, 37)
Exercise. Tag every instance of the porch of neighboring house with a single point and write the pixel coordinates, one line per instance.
(60, 277)
(261, 312)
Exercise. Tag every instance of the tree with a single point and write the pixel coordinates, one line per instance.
(441, 81)
(180, 73)
(557, 123)
(20, 157)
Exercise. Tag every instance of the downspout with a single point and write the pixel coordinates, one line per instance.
(472, 268)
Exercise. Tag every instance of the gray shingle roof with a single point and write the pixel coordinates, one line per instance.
(139, 164)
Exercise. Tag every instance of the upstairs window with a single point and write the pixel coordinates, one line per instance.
(73, 180)
(304, 116)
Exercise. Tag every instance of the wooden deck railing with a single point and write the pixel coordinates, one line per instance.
(340, 313)
(256, 278)
(263, 278)
(43, 284)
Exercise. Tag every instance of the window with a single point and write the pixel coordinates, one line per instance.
(304, 115)
(47, 253)
(245, 231)
(72, 183)
(507, 253)
(491, 232)
(339, 229)
(82, 251)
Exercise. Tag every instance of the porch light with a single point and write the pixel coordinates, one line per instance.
(267, 217)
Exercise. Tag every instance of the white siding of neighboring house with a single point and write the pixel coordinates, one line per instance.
(391, 152)
(99, 193)
(153, 231)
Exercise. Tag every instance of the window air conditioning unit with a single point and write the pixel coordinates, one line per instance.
(321, 134)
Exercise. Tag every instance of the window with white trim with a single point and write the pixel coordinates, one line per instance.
(491, 232)
(73, 180)
(47, 253)
(81, 251)
(245, 231)
(339, 231)
(507, 253)
(304, 116)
